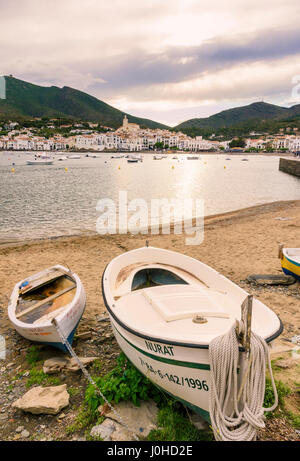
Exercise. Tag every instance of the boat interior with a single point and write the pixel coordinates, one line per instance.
(44, 297)
(168, 301)
(293, 253)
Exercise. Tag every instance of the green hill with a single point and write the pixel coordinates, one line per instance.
(258, 111)
(25, 100)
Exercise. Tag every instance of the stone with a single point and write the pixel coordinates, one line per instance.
(57, 364)
(84, 335)
(198, 422)
(54, 365)
(44, 400)
(25, 434)
(141, 420)
(20, 429)
(121, 434)
(103, 430)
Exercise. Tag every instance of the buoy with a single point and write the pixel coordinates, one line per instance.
(119, 167)
(172, 167)
(224, 167)
(12, 170)
(66, 169)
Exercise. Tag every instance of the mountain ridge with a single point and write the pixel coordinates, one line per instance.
(24, 99)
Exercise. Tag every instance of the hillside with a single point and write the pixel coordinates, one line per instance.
(25, 100)
(258, 111)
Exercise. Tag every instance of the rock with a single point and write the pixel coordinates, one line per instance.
(25, 434)
(57, 364)
(198, 422)
(103, 430)
(84, 335)
(288, 363)
(44, 400)
(20, 429)
(121, 434)
(73, 365)
(140, 420)
(263, 279)
(3, 417)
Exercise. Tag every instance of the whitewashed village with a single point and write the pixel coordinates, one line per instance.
(131, 137)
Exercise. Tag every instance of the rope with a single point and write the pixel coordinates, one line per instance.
(237, 413)
(88, 376)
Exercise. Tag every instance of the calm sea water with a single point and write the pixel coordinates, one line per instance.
(41, 201)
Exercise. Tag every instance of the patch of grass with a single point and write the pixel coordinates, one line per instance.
(32, 355)
(84, 419)
(174, 425)
(37, 376)
(97, 366)
(124, 382)
(73, 391)
(269, 399)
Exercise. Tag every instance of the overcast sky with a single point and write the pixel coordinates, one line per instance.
(168, 60)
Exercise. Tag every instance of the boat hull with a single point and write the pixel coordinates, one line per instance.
(290, 267)
(47, 162)
(184, 373)
(46, 333)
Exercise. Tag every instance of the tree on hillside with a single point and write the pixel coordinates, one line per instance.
(240, 142)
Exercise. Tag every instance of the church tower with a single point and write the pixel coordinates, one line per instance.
(125, 122)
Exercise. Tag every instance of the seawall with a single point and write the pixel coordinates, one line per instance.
(290, 166)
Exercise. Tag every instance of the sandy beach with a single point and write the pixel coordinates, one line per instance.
(236, 244)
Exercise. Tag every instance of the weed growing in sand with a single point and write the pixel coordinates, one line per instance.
(84, 419)
(282, 391)
(32, 355)
(37, 376)
(73, 391)
(175, 426)
(124, 382)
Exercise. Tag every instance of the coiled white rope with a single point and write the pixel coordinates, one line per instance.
(236, 410)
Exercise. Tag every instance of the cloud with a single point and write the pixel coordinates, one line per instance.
(156, 55)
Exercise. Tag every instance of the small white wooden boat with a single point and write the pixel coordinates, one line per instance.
(134, 159)
(55, 292)
(39, 161)
(165, 308)
(290, 261)
(74, 157)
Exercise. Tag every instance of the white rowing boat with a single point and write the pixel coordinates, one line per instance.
(35, 301)
(165, 308)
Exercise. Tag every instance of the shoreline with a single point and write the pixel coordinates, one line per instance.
(150, 152)
(233, 214)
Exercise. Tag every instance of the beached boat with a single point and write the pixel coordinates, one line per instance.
(157, 157)
(134, 159)
(194, 157)
(74, 157)
(290, 261)
(165, 308)
(60, 159)
(52, 293)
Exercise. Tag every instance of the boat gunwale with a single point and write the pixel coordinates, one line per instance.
(172, 342)
(47, 324)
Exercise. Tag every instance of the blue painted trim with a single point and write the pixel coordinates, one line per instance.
(287, 272)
